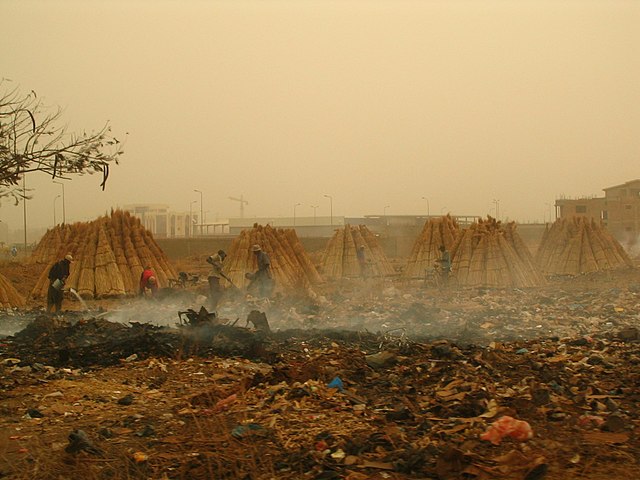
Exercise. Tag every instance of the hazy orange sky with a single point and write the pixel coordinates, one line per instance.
(373, 102)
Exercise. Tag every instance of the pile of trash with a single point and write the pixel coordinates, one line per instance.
(75, 341)
(328, 409)
(454, 384)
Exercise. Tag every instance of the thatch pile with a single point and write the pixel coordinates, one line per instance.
(339, 259)
(9, 296)
(577, 245)
(492, 254)
(425, 252)
(109, 256)
(291, 267)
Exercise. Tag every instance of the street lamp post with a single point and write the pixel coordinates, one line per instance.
(64, 215)
(201, 221)
(191, 217)
(54, 210)
(314, 213)
(497, 204)
(330, 207)
(384, 213)
(426, 200)
(24, 210)
(294, 213)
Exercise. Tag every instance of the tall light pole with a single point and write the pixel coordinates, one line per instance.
(497, 204)
(24, 210)
(330, 207)
(294, 213)
(426, 200)
(191, 217)
(384, 213)
(315, 207)
(201, 221)
(64, 215)
(54, 210)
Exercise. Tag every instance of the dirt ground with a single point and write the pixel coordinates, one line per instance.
(422, 375)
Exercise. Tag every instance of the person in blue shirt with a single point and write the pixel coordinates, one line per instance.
(445, 265)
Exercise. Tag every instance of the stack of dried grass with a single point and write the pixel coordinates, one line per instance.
(340, 256)
(492, 254)
(436, 232)
(50, 244)
(9, 296)
(290, 265)
(109, 256)
(577, 245)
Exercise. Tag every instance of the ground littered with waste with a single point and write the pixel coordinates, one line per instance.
(372, 379)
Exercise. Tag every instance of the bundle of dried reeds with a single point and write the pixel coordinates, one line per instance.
(577, 245)
(109, 256)
(340, 257)
(9, 296)
(492, 254)
(291, 267)
(425, 252)
(50, 244)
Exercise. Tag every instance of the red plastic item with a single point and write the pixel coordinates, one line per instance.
(507, 427)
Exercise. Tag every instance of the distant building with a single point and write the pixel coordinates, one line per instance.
(618, 210)
(162, 223)
(385, 225)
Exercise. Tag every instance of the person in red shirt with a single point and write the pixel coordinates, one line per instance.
(148, 281)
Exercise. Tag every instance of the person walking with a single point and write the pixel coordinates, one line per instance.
(445, 266)
(362, 261)
(58, 275)
(261, 280)
(215, 287)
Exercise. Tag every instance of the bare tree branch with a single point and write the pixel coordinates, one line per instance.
(32, 139)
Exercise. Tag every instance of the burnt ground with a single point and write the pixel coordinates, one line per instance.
(423, 374)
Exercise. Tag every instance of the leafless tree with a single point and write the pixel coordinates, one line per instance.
(32, 139)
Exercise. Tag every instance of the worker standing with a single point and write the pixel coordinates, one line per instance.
(362, 261)
(148, 281)
(445, 266)
(58, 275)
(262, 279)
(215, 288)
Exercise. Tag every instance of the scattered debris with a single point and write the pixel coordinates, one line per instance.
(80, 441)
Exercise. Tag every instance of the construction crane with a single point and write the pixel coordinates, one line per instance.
(242, 201)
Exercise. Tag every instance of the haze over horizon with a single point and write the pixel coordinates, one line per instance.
(377, 103)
